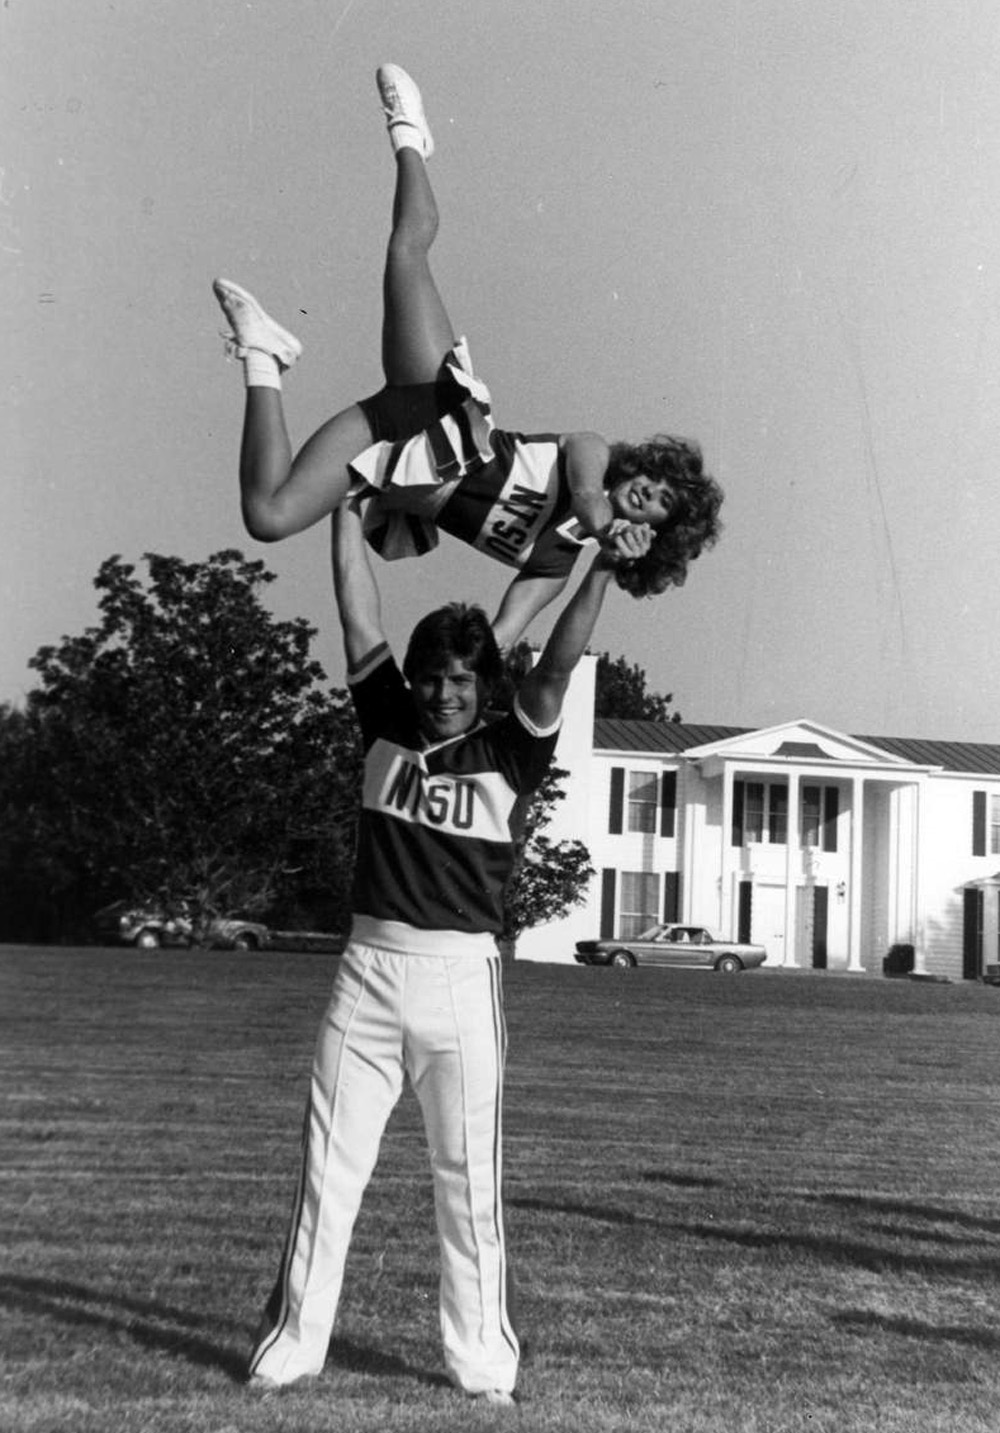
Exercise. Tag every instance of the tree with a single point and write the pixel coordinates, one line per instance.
(620, 691)
(549, 877)
(181, 749)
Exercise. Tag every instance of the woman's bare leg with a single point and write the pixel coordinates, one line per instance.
(416, 335)
(282, 495)
(416, 329)
(279, 496)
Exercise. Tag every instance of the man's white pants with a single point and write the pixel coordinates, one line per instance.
(439, 1020)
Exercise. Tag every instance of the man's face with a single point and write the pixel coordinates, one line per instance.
(448, 699)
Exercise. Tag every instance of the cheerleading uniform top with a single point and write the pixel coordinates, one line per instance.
(438, 823)
(504, 493)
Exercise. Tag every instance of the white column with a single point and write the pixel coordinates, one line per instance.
(792, 866)
(991, 923)
(727, 914)
(854, 961)
(916, 923)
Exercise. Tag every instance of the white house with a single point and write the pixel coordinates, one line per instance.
(826, 848)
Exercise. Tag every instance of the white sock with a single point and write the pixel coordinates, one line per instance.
(406, 136)
(261, 370)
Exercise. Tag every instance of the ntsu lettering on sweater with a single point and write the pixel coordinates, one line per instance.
(442, 802)
(513, 521)
(476, 805)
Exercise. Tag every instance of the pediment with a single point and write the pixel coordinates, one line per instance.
(799, 742)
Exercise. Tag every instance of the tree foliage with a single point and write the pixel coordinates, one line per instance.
(180, 748)
(185, 749)
(549, 877)
(621, 692)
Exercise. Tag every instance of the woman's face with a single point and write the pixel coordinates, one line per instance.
(642, 499)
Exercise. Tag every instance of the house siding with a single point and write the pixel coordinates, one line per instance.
(948, 868)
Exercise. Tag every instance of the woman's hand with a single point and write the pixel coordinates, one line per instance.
(624, 541)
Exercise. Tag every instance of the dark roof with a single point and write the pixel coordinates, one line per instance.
(611, 734)
(617, 735)
(952, 755)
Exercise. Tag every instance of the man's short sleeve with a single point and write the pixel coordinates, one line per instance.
(381, 697)
(524, 754)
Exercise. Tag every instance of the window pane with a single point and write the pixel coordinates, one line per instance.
(753, 813)
(642, 801)
(642, 785)
(641, 818)
(777, 817)
(811, 814)
(995, 825)
(640, 903)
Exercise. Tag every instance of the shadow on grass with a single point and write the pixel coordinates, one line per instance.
(353, 1358)
(864, 1321)
(680, 1181)
(582, 1211)
(832, 1250)
(159, 1327)
(869, 1256)
(163, 1328)
(885, 1204)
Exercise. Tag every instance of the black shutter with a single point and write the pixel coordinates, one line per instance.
(668, 804)
(607, 904)
(831, 809)
(745, 912)
(617, 804)
(979, 823)
(738, 795)
(972, 929)
(671, 896)
(821, 901)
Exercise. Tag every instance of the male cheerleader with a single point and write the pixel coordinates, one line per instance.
(417, 993)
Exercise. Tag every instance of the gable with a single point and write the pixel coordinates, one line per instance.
(795, 742)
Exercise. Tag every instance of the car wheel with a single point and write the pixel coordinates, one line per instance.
(245, 941)
(622, 958)
(729, 964)
(147, 940)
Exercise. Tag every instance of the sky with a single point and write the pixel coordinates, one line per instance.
(769, 225)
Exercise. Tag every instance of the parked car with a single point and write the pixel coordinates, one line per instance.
(677, 945)
(147, 927)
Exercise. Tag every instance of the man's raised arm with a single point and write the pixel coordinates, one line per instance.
(543, 689)
(354, 586)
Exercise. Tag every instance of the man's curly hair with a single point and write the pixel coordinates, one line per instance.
(693, 523)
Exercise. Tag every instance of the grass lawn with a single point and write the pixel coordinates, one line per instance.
(759, 1204)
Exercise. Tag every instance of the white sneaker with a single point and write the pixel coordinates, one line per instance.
(252, 327)
(404, 110)
(498, 1397)
(258, 1385)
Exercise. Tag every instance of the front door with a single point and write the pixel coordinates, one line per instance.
(767, 923)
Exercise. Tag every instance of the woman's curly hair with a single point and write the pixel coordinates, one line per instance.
(694, 522)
